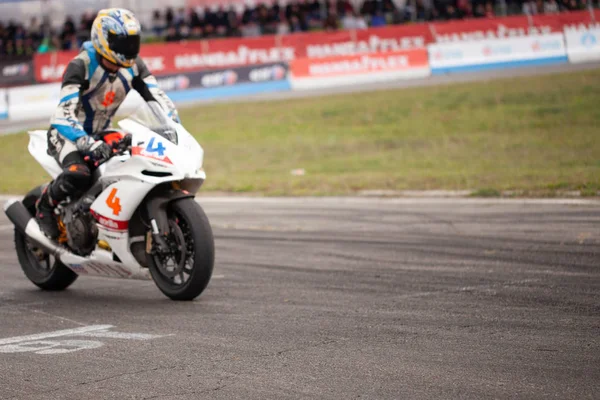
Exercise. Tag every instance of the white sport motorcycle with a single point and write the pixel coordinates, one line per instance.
(139, 220)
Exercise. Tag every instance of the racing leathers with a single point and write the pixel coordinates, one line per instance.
(90, 96)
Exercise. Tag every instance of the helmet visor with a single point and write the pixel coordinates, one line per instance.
(128, 46)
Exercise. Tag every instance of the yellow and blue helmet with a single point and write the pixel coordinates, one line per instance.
(116, 36)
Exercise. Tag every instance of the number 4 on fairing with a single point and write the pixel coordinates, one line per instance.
(160, 149)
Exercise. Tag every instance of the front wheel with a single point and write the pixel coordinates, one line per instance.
(184, 272)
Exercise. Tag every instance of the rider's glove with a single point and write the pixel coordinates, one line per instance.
(96, 151)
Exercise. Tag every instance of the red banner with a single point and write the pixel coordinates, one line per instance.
(172, 58)
(49, 67)
(498, 28)
(360, 64)
(567, 20)
(321, 44)
(344, 43)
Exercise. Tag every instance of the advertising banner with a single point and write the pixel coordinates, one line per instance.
(499, 53)
(583, 45)
(16, 71)
(190, 56)
(49, 67)
(482, 29)
(309, 73)
(33, 102)
(226, 77)
(345, 43)
(567, 20)
(173, 58)
(3, 104)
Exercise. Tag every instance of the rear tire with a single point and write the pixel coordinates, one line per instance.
(190, 231)
(39, 267)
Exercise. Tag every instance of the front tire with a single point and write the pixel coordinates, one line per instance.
(184, 273)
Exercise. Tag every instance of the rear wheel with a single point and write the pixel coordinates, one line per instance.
(39, 267)
(183, 272)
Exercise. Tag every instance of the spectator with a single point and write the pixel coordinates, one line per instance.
(180, 18)
(250, 25)
(83, 33)
(35, 29)
(221, 22)
(389, 7)
(158, 24)
(423, 11)
(464, 8)
(352, 21)
(233, 21)
(550, 7)
(69, 26)
(479, 11)
(331, 22)
(378, 19)
(489, 10)
(172, 34)
(368, 8)
(276, 9)
(296, 18)
(451, 12)
(314, 16)
(344, 8)
(529, 7)
(169, 17)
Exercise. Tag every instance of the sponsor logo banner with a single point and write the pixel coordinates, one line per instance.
(27, 102)
(3, 104)
(360, 64)
(496, 53)
(225, 77)
(16, 71)
(508, 27)
(175, 58)
(346, 43)
(583, 45)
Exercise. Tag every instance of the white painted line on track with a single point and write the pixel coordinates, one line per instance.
(46, 335)
(39, 343)
(121, 335)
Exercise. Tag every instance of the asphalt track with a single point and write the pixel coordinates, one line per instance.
(331, 299)
(7, 127)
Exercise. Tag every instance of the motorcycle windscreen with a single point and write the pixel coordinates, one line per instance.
(152, 116)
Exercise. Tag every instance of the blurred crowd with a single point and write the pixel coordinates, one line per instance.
(295, 16)
(328, 15)
(18, 39)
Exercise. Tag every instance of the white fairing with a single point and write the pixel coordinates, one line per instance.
(38, 147)
(127, 179)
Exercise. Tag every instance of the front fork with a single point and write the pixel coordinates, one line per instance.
(156, 206)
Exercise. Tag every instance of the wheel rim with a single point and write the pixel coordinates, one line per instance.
(177, 266)
(42, 262)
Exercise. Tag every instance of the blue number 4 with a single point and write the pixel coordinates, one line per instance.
(160, 149)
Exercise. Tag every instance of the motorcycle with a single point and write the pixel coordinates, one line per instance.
(139, 220)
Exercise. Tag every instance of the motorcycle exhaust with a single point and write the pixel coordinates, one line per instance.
(27, 225)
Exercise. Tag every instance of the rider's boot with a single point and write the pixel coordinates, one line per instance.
(45, 216)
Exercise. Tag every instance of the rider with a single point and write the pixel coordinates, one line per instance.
(94, 85)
